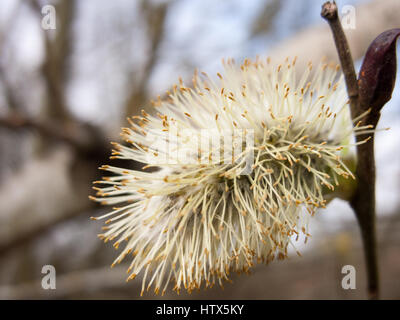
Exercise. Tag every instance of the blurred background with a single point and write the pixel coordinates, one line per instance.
(65, 93)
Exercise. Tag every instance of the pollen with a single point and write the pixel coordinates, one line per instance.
(239, 166)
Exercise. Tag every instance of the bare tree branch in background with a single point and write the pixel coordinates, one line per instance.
(11, 98)
(77, 135)
(57, 123)
(155, 18)
(9, 92)
(263, 22)
(40, 228)
(57, 52)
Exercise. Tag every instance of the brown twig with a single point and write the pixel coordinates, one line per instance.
(155, 19)
(87, 141)
(72, 284)
(363, 200)
(330, 13)
(55, 69)
(41, 228)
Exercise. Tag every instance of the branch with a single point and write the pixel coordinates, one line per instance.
(155, 23)
(10, 95)
(329, 13)
(24, 238)
(84, 138)
(54, 68)
(71, 285)
(363, 200)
